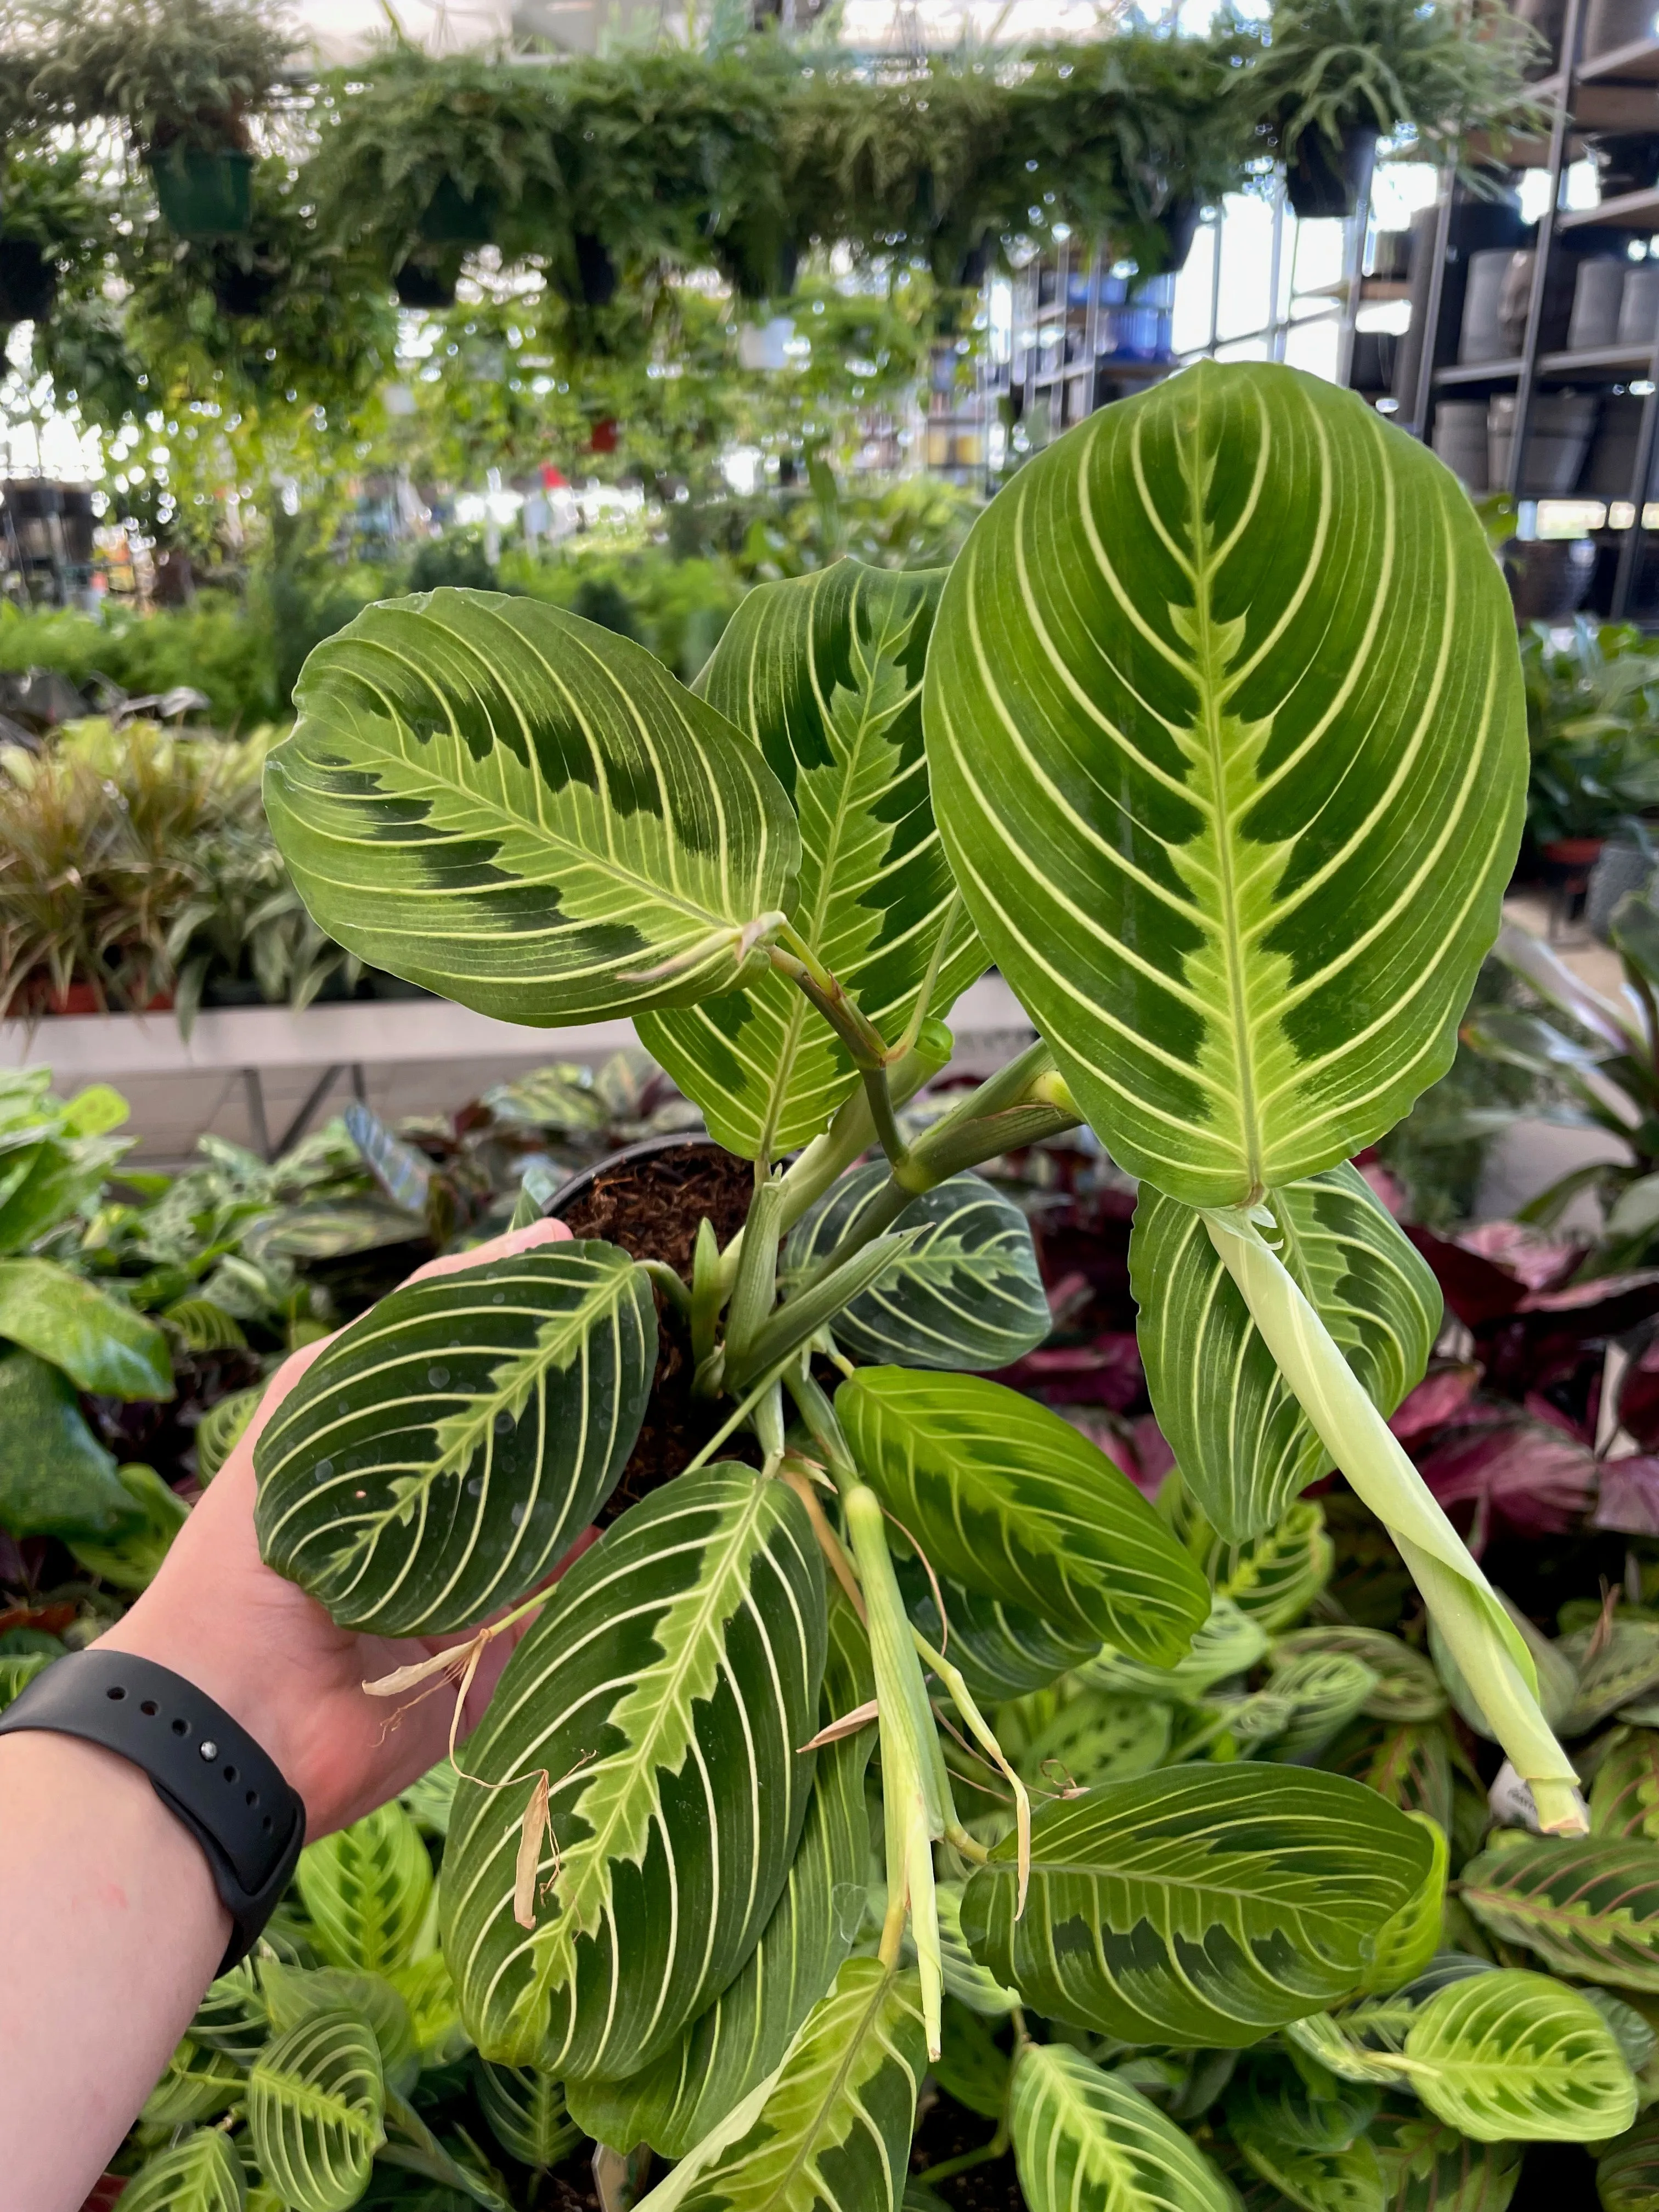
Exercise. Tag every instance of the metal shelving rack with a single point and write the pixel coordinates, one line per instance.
(1611, 92)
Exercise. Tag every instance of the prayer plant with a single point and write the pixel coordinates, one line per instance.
(1213, 739)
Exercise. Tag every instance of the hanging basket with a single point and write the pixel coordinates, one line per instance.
(1322, 180)
(452, 219)
(1178, 228)
(28, 281)
(596, 272)
(203, 194)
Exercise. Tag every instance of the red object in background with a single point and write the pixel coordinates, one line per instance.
(552, 479)
(604, 439)
(105, 2192)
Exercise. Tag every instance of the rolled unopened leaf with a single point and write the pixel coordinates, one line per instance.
(1489, 1649)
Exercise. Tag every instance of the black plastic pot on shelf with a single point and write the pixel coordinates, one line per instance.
(1322, 180)
(452, 218)
(28, 281)
(202, 192)
(1629, 162)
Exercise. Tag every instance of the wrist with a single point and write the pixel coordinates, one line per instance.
(212, 1664)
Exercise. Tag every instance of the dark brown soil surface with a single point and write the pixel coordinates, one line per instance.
(652, 1207)
(945, 2130)
(569, 2187)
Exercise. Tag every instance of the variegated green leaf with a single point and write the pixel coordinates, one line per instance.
(434, 2009)
(451, 1444)
(1624, 1795)
(1588, 1908)
(1407, 1943)
(198, 2084)
(1276, 1576)
(1308, 1700)
(1614, 1668)
(664, 1694)
(219, 1430)
(732, 2046)
(1095, 1737)
(429, 1800)
(525, 812)
(965, 1980)
(1005, 1496)
(1241, 1441)
(1407, 1688)
(132, 1557)
(1627, 2172)
(823, 673)
(367, 1888)
(830, 2132)
(1408, 1762)
(232, 2016)
(1309, 2144)
(1084, 2141)
(1196, 1906)
(1226, 731)
(316, 2105)
(201, 2174)
(525, 2109)
(1428, 2168)
(1003, 1651)
(972, 2066)
(294, 1994)
(1517, 2057)
(966, 1293)
(1228, 1644)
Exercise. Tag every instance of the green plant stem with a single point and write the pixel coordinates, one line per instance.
(795, 958)
(754, 1292)
(915, 1801)
(954, 913)
(999, 1116)
(1484, 1641)
(966, 2161)
(707, 1292)
(819, 1415)
(670, 1285)
(980, 1728)
(851, 1133)
(816, 1305)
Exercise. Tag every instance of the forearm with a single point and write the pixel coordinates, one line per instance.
(111, 1930)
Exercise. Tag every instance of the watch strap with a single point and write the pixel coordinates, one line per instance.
(203, 1765)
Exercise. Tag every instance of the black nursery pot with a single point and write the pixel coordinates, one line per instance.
(28, 281)
(649, 1198)
(1322, 179)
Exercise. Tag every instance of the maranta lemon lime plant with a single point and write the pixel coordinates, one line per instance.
(872, 1741)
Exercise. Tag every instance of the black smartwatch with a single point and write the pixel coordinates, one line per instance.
(204, 1767)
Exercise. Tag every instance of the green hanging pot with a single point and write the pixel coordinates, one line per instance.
(452, 219)
(203, 193)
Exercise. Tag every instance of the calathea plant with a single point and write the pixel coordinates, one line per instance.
(1223, 763)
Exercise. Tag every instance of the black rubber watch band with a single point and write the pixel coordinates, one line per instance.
(203, 1765)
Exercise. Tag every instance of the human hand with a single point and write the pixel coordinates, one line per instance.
(271, 1656)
